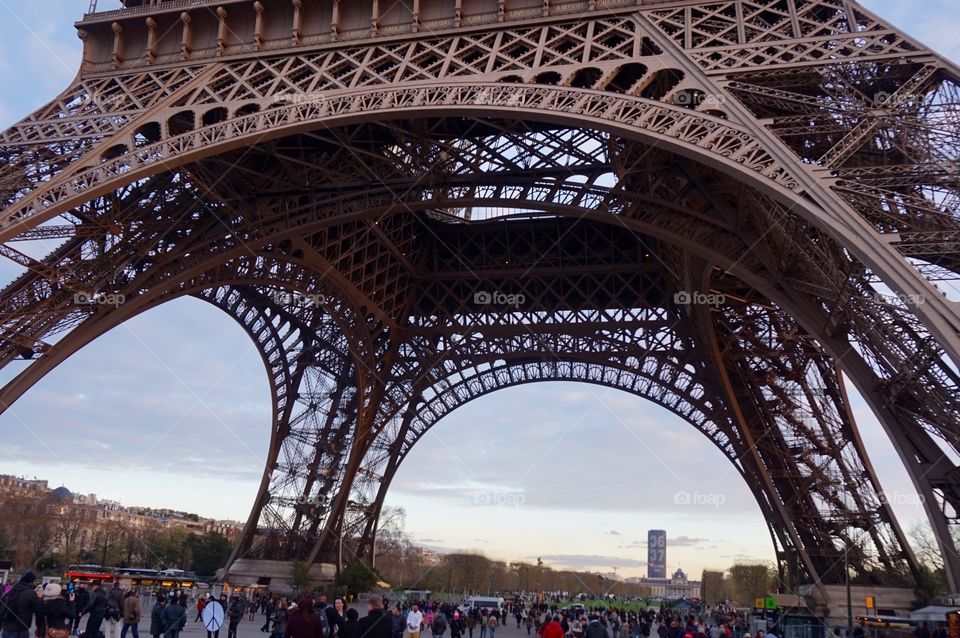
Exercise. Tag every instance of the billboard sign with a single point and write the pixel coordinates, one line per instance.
(657, 553)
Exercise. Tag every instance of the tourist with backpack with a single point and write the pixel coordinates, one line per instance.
(114, 612)
(492, 625)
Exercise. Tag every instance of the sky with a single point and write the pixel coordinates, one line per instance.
(173, 407)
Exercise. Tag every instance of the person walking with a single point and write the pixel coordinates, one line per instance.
(114, 612)
(492, 625)
(269, 610)
(131, 614)
(414, 622)
(201, 601)
(439, 625)
(97, 607)
(55, 613)
(156, 616)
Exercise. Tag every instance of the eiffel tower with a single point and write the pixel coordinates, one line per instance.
(732, 208)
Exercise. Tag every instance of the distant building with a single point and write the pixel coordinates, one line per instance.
(677, 586)
(15, 486)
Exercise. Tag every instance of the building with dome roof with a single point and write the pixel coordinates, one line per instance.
(677, 586)
(62, 494)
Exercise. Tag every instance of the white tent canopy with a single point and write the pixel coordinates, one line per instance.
(933, 613)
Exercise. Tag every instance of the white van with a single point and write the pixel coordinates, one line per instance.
(484, 602)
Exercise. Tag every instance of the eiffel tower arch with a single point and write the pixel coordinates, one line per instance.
(732, 208)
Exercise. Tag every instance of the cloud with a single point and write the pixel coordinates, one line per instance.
(613, 532)
(588, 561)
(685, 541)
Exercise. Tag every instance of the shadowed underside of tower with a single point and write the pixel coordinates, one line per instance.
(410, 205)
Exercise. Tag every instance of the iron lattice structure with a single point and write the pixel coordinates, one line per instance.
(344, 178)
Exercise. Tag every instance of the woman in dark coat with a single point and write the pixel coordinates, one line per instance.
(303, 621)
(54, 612)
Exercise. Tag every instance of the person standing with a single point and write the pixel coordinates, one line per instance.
(22, 602)
(174, 618)
(156, 616)
(492, 624)
(97, 607)
(54, 613)
(283, 614)
(80, 602)
(214, 613)
(131, 614)
(201, 601)
(335, 618)
(235, 614)
(351, 626)
(376, 624)
(303, 621)
(414, 622)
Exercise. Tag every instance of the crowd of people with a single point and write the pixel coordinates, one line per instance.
(111, 612)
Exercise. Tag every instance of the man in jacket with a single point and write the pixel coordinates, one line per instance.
(19, 606)
(156, 616)
(595, 629)
(376, 624)
(97, 608)
(174, 618)
(131, 614)
(235, 613)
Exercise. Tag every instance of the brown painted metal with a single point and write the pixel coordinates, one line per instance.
(345, 178)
